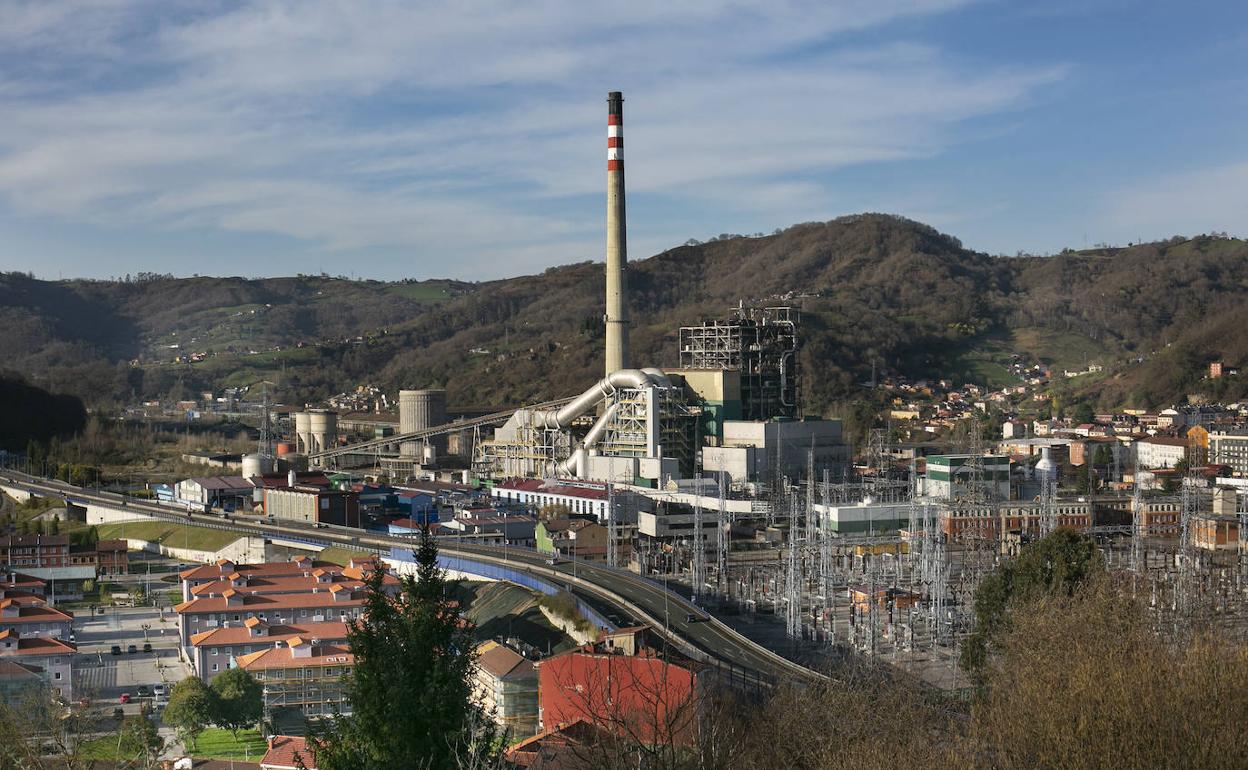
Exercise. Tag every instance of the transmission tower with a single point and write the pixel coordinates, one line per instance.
(612, 528)
(792, 578)
(699, 553)
(724, 530)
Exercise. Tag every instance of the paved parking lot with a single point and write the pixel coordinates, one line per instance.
(102, 676)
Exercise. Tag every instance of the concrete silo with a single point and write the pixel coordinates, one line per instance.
(419, 410)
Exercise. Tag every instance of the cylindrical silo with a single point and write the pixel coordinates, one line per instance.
(419, 410)
(257, 464)
(303, 432)
(323, 429)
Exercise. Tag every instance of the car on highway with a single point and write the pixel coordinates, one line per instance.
(116, 649)
(125, 697)
(130, 648)
(147, 647)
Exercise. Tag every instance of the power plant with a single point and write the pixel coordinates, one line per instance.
(641, 426)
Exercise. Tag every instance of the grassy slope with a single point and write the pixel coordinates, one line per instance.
(172, 535)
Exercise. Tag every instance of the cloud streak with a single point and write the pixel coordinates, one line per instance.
(466, 137)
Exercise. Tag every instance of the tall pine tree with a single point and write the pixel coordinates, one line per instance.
(410, 687)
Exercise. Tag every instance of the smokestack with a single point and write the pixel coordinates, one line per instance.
(616, 317)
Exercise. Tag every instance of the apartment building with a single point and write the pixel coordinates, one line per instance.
(29, 616)
(219, 649)
(305, 674)
(505, 683)
(48, 657)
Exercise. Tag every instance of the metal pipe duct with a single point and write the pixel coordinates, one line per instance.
(573, 465)
(561, 419)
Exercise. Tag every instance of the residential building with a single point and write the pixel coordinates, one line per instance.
(286, 752)
(575, 538)
(319, 578)
(1230, 448)
(305, 674)
(991, 522)
(112, 557)
(1161, 451)
(223, 568)
(30, 616)
(50, 658)
(505, 683)
(572, 746)
(19, 682)
(335, 603)
(34, 552)
(1158, 516)
(516, 528)
(14, 585)
(577, 497)
(218, 649)
(645, 696)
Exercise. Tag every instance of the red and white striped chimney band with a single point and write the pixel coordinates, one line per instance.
(615, 143)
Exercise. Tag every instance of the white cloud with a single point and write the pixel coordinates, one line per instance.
(464, 129)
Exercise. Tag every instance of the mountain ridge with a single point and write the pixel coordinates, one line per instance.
(876, 290)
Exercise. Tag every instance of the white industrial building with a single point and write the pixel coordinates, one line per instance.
(749, 450)
(950, 477)
(865, 517)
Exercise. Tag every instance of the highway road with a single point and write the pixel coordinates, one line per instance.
(687, 627)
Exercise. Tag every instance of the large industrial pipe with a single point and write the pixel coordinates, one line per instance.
(561, 418)
(616, 318)
(575, 464)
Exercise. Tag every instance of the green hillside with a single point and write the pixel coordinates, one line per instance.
(873, 289)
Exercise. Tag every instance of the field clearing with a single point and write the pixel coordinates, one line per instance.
(171, 535)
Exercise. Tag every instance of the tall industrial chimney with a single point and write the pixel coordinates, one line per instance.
(616, 317)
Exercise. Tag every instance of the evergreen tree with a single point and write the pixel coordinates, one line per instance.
(409, 688)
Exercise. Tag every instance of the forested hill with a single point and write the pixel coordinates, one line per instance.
(874, 289)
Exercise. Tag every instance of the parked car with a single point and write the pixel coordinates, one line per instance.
(131, 649)
(147, 647)
(158, 691)
(116, 649)
(144, 691)
(125, 697)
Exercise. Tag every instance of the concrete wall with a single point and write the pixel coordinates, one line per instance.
(244, 550)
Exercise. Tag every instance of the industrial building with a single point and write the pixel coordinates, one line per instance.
(754, 451)
(758, 346)
(952, 477)
(315, 430)
(314, 505)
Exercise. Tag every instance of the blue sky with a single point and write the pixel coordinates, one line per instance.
(465, 139)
